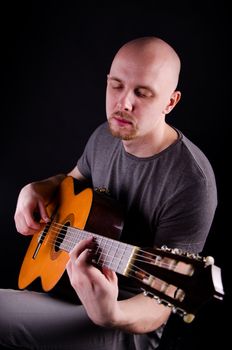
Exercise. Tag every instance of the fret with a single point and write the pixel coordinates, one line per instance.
(99, 245)
(127, 253)
(106, 252)
(115, 256)
(101, 251)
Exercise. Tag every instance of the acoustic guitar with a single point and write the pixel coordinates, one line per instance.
(78, 213)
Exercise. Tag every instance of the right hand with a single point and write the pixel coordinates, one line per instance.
(31, 204)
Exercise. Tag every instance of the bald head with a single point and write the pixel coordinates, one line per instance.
(154, 54)
(141, 90)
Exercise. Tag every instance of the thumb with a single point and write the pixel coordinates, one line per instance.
(109, 274)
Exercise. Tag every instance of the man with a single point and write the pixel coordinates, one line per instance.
(162, 179)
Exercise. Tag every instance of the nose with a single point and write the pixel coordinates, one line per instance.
(125, 102)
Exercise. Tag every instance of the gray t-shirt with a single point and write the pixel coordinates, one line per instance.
(170, 198)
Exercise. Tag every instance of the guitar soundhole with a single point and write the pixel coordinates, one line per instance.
(61, 235)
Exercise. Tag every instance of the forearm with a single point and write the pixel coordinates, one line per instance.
(139, 314)
(48, 187)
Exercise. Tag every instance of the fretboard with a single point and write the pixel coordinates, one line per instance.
(110, 253)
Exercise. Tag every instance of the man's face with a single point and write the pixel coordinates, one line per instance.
(136, 96)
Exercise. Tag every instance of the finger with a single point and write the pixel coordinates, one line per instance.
(22, 226)
(29, 215)
(83, 260)
(31, 223)
(69, 268)
(43, 212)
(81, 247)
(78, 272)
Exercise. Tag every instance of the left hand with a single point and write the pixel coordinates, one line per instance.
(97, 289)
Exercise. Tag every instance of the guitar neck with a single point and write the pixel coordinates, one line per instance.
(110, 253)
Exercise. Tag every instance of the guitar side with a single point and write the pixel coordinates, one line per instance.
(42, 259)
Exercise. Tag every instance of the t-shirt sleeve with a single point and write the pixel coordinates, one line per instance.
(84, 163)
(187, 217)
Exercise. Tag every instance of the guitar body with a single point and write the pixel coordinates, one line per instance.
(86, 209)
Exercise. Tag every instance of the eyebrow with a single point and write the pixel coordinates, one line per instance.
(113, 78)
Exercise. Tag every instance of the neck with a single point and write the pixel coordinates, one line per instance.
(152, 143)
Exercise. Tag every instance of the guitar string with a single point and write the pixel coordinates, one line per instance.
(155, 282)
(151, 256)
(134, 270)
(145, 258)
(61, 235)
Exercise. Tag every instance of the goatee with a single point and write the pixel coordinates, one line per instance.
(122, 133)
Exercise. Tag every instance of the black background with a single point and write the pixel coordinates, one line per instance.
(55, 57)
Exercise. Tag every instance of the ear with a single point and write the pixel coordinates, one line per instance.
(174, 99)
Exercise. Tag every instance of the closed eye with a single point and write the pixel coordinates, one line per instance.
(143, 92)
(114, 83)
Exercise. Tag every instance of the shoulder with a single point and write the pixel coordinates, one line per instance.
(195, 158)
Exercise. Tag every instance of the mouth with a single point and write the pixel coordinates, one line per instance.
(121, 121)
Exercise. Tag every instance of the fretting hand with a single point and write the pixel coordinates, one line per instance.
(97, 289)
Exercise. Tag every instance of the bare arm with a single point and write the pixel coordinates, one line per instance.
(76, 174)
(33, 199)
(141, 314)
(98, 291)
